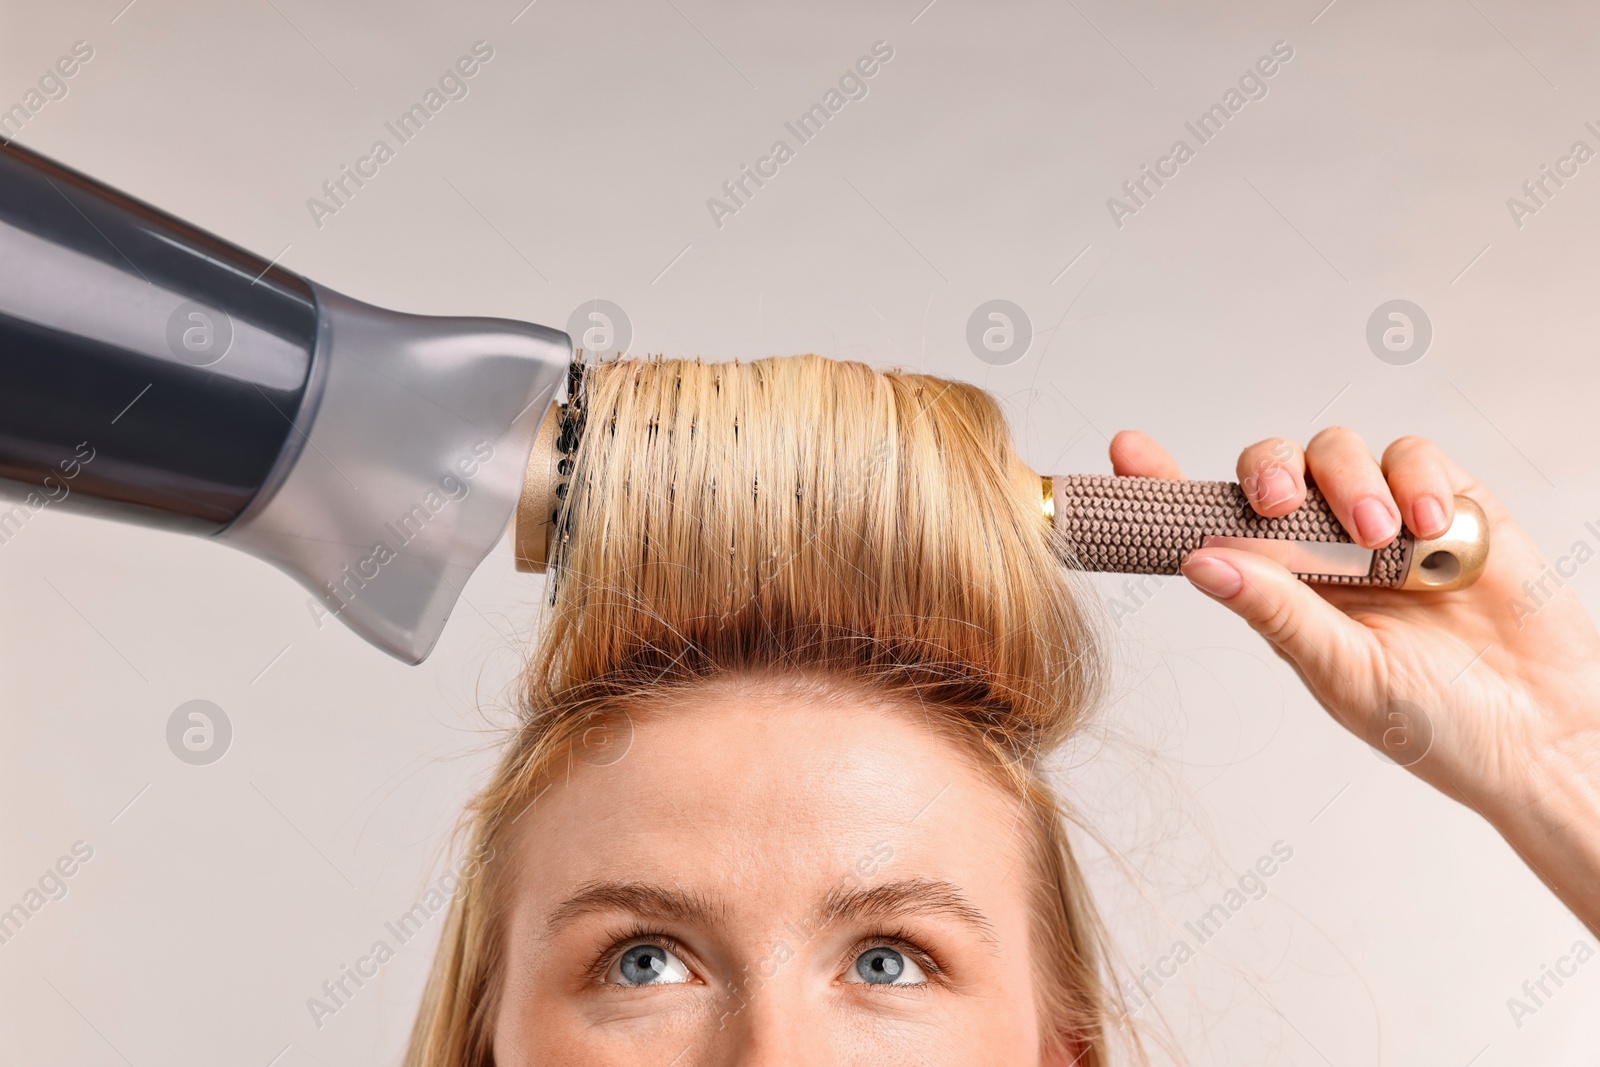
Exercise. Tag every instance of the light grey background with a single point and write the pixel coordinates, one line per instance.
(1232, 307)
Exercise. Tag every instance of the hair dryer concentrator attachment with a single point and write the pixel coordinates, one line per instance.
(152, 373)
(412, 467)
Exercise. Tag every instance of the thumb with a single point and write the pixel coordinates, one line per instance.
(1331, 650)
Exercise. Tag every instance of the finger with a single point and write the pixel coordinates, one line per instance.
(1134, 454)
(1327, 647)
(1354, 486)
(1272, 475)
(1420, 481)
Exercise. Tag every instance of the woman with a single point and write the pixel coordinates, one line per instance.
(778, 792)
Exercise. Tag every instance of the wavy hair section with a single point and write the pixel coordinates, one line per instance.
(800, 511)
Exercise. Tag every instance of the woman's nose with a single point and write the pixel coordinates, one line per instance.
(778, 1026)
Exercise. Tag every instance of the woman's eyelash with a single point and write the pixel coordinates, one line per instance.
(624, 939)
(901, 940)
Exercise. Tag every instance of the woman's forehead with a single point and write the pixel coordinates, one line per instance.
(729, 793)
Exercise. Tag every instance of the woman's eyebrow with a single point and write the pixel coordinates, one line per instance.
(908, 897)
(641, 898)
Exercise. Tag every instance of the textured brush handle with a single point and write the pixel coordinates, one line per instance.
(1147, 525)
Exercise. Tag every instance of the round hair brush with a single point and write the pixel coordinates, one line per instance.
(1115, 524)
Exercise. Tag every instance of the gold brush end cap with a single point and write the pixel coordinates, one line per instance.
(1456, 558)
(536, 507)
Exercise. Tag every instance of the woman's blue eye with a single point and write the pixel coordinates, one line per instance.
(882, 965)
(647, 964)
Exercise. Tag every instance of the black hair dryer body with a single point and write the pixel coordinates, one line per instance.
(152, 373)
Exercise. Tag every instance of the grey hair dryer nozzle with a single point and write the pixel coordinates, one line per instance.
(152, 373)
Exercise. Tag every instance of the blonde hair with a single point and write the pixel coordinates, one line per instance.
(799, 516)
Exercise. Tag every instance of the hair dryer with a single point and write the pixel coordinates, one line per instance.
(152, 373)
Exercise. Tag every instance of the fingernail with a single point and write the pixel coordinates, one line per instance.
(1373, 521)
(1211, 575)
(1274, 487)
(1429, 516)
